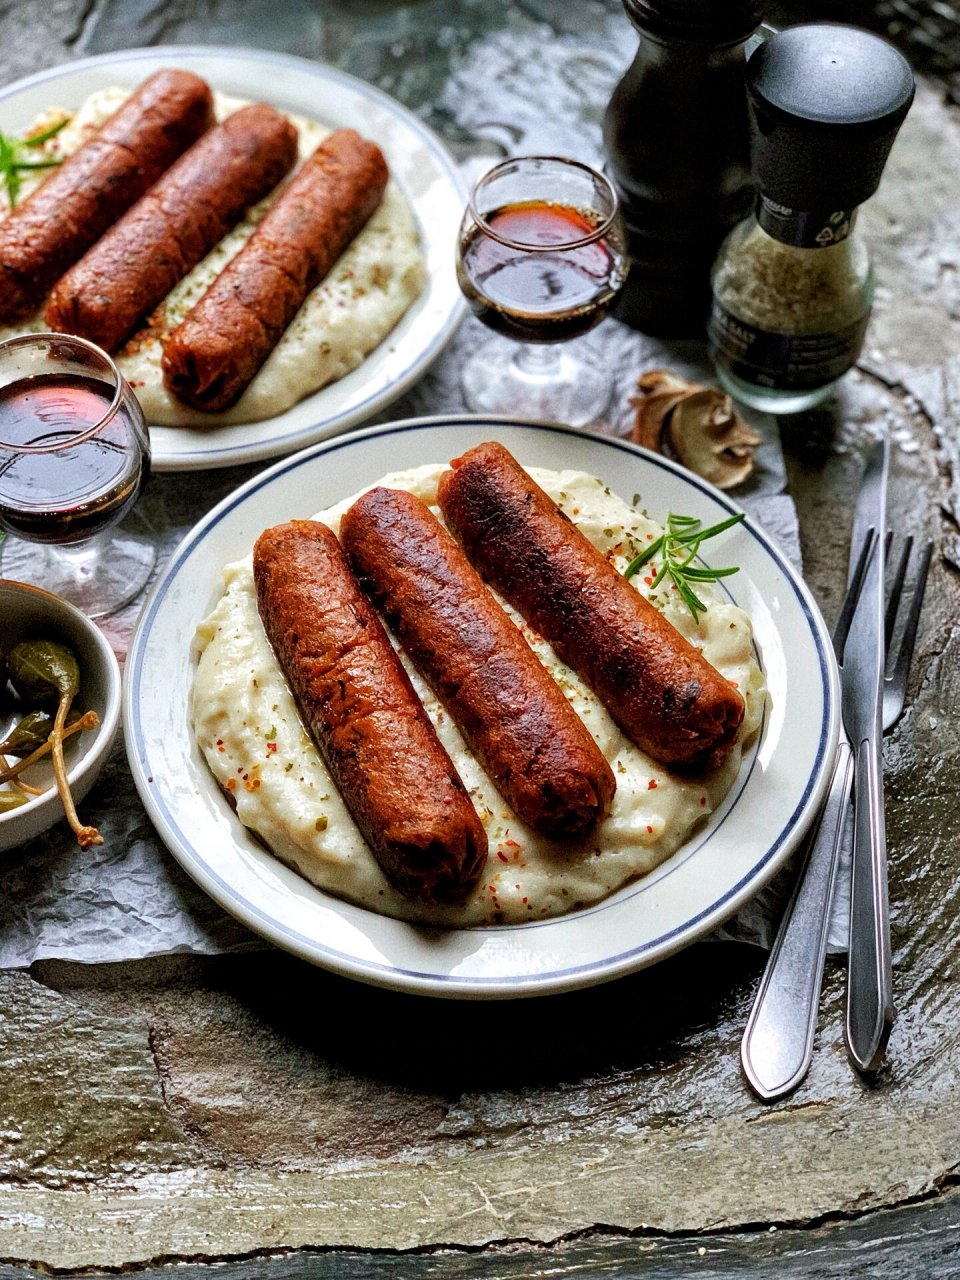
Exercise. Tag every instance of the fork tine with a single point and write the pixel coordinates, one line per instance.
(897, 681)
(893, 602)
(849, 605)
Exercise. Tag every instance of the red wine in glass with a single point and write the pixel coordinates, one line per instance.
(74, 455)
(541, 256)
(539, 296)
(76, 487)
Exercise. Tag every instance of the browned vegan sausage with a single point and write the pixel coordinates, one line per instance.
(153, 246)
(364, 715)
(527, 737)
(213, 356)
(85, 195)
(659, 689)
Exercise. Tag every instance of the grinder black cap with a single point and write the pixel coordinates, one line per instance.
(826, 103)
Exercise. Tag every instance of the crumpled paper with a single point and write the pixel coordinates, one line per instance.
(128, 899)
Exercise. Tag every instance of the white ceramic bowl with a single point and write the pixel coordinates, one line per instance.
(25, 613)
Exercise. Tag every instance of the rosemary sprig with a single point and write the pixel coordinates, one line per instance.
(14, 162)
(678, 546)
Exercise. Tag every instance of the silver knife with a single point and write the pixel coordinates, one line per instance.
(869, 983)
(777, 1045)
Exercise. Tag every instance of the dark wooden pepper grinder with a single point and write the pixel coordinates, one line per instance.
(677, 143)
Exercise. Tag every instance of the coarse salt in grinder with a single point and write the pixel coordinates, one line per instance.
(792, 284)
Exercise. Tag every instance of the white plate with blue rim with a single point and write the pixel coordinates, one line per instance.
(781, 782)
(419, 163)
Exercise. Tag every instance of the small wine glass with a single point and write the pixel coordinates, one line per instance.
(74, 455)
(541, 255)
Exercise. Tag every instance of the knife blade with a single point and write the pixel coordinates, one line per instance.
(869, 1014)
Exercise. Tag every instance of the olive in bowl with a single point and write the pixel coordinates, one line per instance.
(45, 645)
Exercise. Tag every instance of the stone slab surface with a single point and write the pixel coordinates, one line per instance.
(242, 1106)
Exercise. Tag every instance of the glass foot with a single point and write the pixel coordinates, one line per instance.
(99, 576)
(555, 384)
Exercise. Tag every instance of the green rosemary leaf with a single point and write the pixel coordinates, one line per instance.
(688, 596)
(639, 561)
(36, 164)
(13, 164)
(38, 139)
(678, 546)
(699, 574)
(702, 534)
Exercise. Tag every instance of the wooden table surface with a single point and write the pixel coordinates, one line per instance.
(250, 1110)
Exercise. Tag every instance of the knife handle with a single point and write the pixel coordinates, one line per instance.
(869, 983)
(777, 1045)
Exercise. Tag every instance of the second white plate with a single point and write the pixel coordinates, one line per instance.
(419, 163)
(744, 842)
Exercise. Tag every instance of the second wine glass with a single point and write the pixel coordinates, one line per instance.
(541, 257)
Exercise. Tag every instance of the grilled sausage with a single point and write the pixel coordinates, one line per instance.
(85, 195)
(658, 688)
(213, 356)
(153, 246)
(527, 737)
(364, 715)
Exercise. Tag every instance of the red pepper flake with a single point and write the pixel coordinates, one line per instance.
(512, 843)
(649, 537)
(703, 799)
(652, 784)
(231, 784)
(219, 742)
(271, 748)
(523, 900)
(649, 830)
(502, 856)
(648, 581)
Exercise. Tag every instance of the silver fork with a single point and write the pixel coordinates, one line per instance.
(777, 1044)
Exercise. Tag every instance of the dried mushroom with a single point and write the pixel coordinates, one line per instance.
(697, 425)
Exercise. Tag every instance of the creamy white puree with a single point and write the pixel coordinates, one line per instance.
(349, 313)
(249, 730)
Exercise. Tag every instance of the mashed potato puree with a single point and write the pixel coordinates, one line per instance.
(249, 731)
(348, 314)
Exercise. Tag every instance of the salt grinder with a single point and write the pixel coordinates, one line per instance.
(792, 284)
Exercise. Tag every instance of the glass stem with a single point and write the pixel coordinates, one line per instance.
(82, 556)
(537, 361)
